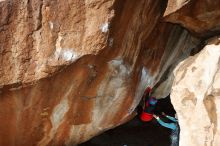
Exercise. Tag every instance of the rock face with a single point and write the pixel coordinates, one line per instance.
(196, 97)
(48, 97)
(72, 69)
(199, 16)
(38, 37)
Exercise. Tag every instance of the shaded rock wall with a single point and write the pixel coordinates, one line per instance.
(72, 69)
(196, 83)
(195, 95)
(201, 17)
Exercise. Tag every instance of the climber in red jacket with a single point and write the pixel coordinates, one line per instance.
(149, 106)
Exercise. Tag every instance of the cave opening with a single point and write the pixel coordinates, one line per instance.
(138, 133)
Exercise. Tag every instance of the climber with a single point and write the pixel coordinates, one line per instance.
(149, 106)
(173, 126)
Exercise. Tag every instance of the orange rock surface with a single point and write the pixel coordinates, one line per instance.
(72, 69)
(201, 17)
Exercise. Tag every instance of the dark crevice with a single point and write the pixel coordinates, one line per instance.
(136, 132)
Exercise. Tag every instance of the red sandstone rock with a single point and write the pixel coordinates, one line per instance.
(72, 69)
(39, 37)
(201, 17)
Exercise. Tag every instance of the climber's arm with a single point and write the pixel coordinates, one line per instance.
(167, 125)
(170, 118)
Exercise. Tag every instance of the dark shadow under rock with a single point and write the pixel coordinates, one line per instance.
(136, 132)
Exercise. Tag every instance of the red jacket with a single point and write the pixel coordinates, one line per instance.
(145, 115)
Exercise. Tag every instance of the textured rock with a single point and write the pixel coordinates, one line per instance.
(72, 69)
(199, 16)
(196, 97)
(39, 36)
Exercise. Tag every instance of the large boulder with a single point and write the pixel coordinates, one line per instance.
(202, 17)
(39, 37)
(72, 69)
(196, 97)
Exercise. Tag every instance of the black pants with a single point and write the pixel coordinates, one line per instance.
(174, 137)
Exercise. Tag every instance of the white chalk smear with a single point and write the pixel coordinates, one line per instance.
(105, 27)
(51, 24)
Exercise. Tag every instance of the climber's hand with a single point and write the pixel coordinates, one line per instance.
(155, 116)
